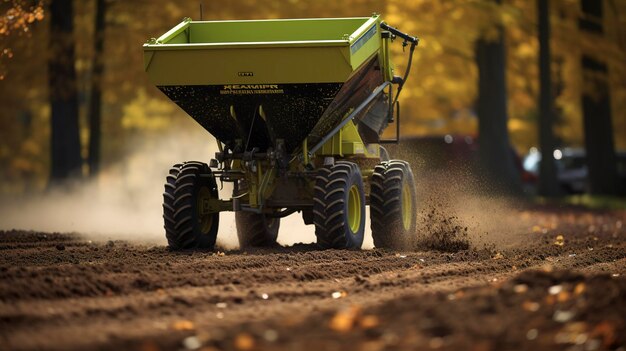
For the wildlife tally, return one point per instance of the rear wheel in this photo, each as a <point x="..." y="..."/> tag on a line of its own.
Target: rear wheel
<point x="256" y="230"/>
<point x="393" y="204"/>
<point x="319" y="203"/>
<point x="339" y="207"/>
<point x="188" y="190"/>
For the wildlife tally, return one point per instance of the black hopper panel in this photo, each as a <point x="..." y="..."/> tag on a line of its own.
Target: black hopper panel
<point x="263" y="112"/>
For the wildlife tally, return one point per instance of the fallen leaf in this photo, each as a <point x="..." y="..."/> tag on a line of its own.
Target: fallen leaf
<point x="520" y="288"/>
<point x="530" y="306"/>
<point x="192" y="343"/>
<point x="244" y="341"/>
<point x="183" y="325"/>
<point x="344" y="320"/>
<point x="562" y="296"/>
<point x="559" y="241"/>
<point x="369" y="322"/>
<point x="579" y="289"/>
<point x="498" y="256"/>
<point x="555" y="289"/>
<point x="563" y="316"/>
<point x="339" y="294"/>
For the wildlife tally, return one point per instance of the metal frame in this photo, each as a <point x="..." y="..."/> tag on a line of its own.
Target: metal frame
<point x="349" y="118"/>
<point x="396" y="139"/>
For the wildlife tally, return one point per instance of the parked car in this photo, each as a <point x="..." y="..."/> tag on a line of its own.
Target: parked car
<point x="571" y="166"/>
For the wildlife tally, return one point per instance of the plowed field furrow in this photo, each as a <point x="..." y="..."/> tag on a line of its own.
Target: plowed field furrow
<point x="66" y="292"/>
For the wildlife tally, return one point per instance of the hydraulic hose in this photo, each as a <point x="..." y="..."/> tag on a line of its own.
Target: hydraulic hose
<point x="407" y="38"/>
<point x="406" y="73"/>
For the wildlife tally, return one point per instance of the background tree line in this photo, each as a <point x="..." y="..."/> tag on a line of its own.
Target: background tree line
<point x="527" y="73"/>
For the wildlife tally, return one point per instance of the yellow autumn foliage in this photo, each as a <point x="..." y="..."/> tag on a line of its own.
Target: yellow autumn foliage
<point x="438" y="98"/>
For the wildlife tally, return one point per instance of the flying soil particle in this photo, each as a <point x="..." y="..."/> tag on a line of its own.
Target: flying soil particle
<point x="440" y="231"/>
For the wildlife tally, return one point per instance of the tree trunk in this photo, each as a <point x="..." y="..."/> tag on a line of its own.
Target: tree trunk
<point x="597" y="123"/>
<point x="548" y="184"/>
<point x="596" y="103"/>
<point x="65" y="155"/>
<point x="95" y="104"/>
<point x="495" y="152"/>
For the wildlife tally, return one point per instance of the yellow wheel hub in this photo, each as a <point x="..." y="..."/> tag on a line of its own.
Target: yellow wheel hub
<point x="354" y="209"/>
<point x="407" y="205"/>
<point x="205" y="218"/>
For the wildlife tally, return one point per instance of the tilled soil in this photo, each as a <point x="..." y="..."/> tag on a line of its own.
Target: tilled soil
<point x="560" y="285"/>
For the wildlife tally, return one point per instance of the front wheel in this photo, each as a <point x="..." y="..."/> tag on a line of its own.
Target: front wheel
<point x="339" y="207"/>
<point x="189" y="188"/>
<point x="393" y="204"/>
<point x="256" y="230"/>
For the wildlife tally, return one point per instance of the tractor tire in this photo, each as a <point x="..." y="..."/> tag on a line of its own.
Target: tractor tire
<point x="393" y="205"/>
<point x="168" y="204"/>
<point x="256" y="230"/>
<point x="339" y="207"/>
<point x="319" y="204"/>
<point x="187" y="187"/>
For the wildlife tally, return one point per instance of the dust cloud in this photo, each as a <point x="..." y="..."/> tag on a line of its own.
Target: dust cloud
<point x="124" y="201"/>
<point x="456" y="213"/>
<point x="453" y="220"/>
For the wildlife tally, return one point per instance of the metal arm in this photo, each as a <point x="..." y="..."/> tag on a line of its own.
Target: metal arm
<point x="396" y="32"/>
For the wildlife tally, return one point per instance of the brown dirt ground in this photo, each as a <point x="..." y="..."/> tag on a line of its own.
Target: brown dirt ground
<point x="60" y="291"/>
